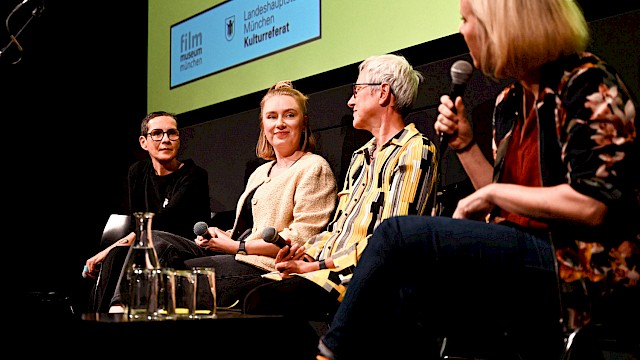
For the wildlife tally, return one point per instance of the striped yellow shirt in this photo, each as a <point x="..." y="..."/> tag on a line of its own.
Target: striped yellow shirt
<point x="399" y="181"/>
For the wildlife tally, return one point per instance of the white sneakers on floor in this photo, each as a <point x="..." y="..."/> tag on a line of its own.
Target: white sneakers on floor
<point x="116" y="309"/>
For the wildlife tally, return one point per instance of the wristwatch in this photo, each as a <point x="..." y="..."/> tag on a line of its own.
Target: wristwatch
<point x="241" y="249"/>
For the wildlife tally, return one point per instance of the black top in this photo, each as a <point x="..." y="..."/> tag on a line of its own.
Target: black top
<point x="178" y="200"/>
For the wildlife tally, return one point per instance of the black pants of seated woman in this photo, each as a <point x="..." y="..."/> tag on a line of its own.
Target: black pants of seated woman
<point x="243" y="283"/>
<point x="106" y="284"/>
<point x="234" y="279"/>
<point x="296" y="297"/>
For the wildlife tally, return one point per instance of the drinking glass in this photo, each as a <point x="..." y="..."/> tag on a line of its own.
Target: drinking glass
<point x="205" y="292"/>
<point x="166" y="309"/>
<point x="185" y="290"/>
<point x="143" y="294"/>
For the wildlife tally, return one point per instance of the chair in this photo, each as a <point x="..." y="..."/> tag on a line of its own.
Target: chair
<point x="117" y="227"/>
<point x="601" y="297"/>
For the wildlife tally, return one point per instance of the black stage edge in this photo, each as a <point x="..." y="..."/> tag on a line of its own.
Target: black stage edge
<point x="230" y="336"/>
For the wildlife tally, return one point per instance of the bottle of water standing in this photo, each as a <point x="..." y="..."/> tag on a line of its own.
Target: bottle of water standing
<point x="142" y="270"/>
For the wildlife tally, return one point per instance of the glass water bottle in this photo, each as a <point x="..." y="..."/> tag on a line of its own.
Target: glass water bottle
<point x="142" y="271"/>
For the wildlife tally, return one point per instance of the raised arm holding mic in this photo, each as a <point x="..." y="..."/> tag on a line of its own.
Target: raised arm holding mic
<point x="461" y="72"/>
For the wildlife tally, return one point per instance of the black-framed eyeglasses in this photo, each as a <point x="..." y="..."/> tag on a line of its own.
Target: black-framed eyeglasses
<point x="361" y="85"/>
<point x="158" y="134"/>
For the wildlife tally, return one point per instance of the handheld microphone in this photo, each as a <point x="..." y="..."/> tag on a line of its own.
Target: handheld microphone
<point x="270" y="235"/>
<point x="201" y="228"/>
<point x="460" y="74"/>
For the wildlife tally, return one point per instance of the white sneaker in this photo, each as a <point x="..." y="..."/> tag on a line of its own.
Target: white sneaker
<point x="116" y="309"/>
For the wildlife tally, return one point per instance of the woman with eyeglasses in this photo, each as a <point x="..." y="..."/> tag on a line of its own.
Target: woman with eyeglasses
<point x="176" y="191"/>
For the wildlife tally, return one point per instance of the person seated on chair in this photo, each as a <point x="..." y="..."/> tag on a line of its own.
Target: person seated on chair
<point x="392" y="174"/>
<point x="564" y="157"/>
<point x="176" y="191"/>
<point x="294" y="192"/>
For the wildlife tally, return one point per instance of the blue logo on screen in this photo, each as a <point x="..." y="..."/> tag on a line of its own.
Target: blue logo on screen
<point x="230" y="27"/>
<point x="262" y="28"/>
<point x="190" y="47"/>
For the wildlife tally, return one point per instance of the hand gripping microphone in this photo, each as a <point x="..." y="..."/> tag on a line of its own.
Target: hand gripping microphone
<point x="460" y="74"/>
<point x="270" y="235"/>
<point x="201" y="228"/>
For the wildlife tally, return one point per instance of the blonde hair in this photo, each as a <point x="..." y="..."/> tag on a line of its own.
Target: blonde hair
<point x="516" y="36"/>
<point x="264" y="149"/>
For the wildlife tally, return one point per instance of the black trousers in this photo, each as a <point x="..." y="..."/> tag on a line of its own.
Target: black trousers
<point x="296" y="297"/>
<point x="234" y="279"/>
<point x="105" y="286"/>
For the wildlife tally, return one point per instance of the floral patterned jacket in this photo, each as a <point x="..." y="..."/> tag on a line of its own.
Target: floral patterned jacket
<point x="587" y="130"/>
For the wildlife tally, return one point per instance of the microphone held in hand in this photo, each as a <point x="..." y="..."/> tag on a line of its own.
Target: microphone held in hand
<point x="202" y="229"/>
<point x="460" y="74"/>
<point x="270" y="235"/>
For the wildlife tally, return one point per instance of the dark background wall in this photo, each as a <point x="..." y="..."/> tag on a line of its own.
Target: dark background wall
<point x="73" y="98"/>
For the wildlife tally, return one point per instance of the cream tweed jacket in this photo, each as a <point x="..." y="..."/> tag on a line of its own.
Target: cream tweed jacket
<point x="298" y="203"/>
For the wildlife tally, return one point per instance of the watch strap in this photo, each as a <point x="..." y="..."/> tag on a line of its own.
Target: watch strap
<point x="241" y="248"/>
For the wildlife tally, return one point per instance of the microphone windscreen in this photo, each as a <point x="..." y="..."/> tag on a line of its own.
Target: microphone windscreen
<point x="269" y="234"/>
<point x="200" y="228"/>
<point x="461" y="71"/>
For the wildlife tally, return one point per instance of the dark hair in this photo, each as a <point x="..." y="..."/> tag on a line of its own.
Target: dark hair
<point x="145" y="122"/>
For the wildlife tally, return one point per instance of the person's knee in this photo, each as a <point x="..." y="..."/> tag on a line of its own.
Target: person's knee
<point x="405" y="225"/>
<point x="395" y="230"/>
<point x="388" y="229"/>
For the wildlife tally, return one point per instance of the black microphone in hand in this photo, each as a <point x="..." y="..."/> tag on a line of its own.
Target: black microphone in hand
<point x="270" y="235"/>
<point x="460" y="74"/>
<point x="202" y="229"/>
